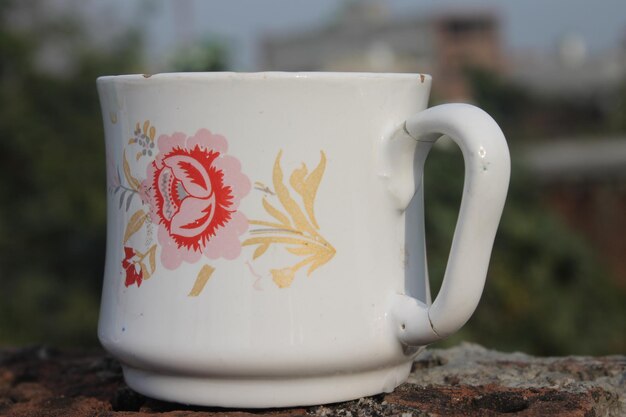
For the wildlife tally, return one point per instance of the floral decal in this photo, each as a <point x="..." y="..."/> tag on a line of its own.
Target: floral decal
<point x="191" y="194"/>
<point x="131" y="267"/>
<point x="188" y="207"/>
<point x="194" y="192"/>
<point x="135" y="265"/>
<point x="293" y="227"/>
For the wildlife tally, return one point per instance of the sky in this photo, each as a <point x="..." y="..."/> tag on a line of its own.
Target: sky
<point x="527" y="25"/>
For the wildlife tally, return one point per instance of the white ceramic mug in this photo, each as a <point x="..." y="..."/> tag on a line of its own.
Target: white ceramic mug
<point x="265" y="241"/>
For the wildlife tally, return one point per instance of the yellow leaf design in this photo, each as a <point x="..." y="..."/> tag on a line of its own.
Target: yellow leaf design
<point x="275" y="213"/>
<point x="296" y="230"/>
<point x="274" y="239"/>
<point x="307" y="186"/>
<point x="146" y="124"/>
<point x="260" y="250"/>
<point x="152" y="258"/>
<point x="303" y="250"/>
<point x="320" y="260"/>
<point x="298" y="178"/>
<point x="275" y="226"/>
<point x="298" y="217"/>
<point x="134" y="224"/>
<point x="283" y="277"/>
<point x="132" y="181"/>
<point x="312" y="184"/>
<point x="201" y="280"/>
<point x="152" y="132"/>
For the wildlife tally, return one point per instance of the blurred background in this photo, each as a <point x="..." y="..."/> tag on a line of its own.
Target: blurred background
<point x="552" y="74"/>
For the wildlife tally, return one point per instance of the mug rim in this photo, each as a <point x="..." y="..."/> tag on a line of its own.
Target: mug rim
<point x="268" y="75"/>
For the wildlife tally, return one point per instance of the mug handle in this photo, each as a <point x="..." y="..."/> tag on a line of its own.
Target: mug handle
<point x="487" y="171"/>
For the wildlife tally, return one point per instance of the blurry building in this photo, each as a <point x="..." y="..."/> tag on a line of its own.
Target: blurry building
<point x="583" y="178"/>
<point x="364" y="37"/>
<point x="569" y="69"/>
<point x="584" y="181"/>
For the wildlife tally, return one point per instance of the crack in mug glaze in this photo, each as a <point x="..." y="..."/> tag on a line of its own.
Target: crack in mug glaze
<point x="265" y="234"/>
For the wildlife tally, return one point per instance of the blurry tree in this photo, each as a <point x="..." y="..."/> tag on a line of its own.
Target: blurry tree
<point x="507" y="103"/>
<point x="210" y="55"/>
<point x="52" y="181"/>
<point x="524" y="114"/>
<point x="546" y="292"/>
<point x="618" y="116"/>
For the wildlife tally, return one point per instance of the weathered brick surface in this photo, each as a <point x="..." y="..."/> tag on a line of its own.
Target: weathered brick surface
<point x="464" y="381"/>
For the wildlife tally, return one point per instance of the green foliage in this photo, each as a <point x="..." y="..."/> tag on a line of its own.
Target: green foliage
<point x="52" y="173"/>
<point x="204" y="56"/>
<point x="52" y="187"/>
<point x="507" y="103"/>
<point x="524" y="114"/>
<point x="546" y="292"/>
<point x="618" y="116"/>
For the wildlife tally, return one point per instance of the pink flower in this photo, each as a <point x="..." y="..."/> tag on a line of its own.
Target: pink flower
<point x="194" y="190"/>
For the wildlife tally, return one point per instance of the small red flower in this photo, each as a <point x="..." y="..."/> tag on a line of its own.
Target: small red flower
<point x="133" y="270"/>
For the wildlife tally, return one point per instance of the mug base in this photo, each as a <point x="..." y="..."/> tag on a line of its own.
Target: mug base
<point x="254" y="392"/>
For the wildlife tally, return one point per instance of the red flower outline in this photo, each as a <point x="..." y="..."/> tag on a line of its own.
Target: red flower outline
<point x="194" y="189"/>
<point x="180" y="183"/>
